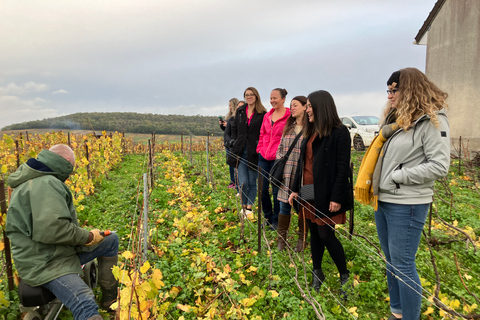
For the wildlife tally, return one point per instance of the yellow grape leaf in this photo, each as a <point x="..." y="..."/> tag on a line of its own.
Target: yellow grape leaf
<point x="353" y="311"/>
<point x="157" y="278"/>
<point x="145" y="267"/>
<point x="2" y="245"/>
<point x="247" y="302"/>
<point x="429" y="311"/>
<point x="181" y="318"/>
<point x="274" y="293"/>
<point x="146" y="287"/>
<point x="175" y="291"/>
<point x="184" y="307"/>
<point x="128" y="255"/>
<point x="252" y="269"/>
<point x="468" y="277"/>
<point x="455" y="223"/>
<point x="116" y="272"/>
<point x="4" y="169"/>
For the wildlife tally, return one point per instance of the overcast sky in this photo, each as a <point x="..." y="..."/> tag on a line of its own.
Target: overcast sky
<point x="190" y="57"/>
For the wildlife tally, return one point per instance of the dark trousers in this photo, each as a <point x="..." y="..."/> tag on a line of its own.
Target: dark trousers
<point x="270" y="214"/>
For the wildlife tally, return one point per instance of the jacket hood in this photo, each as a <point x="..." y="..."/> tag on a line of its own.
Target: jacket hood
<point x="59" y="167"/>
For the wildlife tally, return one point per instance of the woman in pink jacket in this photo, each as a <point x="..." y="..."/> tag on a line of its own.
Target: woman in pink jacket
<point x="270" y="136"/>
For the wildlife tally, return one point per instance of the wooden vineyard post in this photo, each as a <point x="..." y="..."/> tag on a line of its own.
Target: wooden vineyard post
<point x="87" y="156"/>
<point x="460" y="157"/>
<point x="191" y="157"/>
<point x="123" y="142"/>
<point x="352" y="211"/>
<point x="150" y="162"/>
<point x="6" y="241"/>
<point x="181" y="142"/>
<point x="145" y="217"/>
<point x="68" y="140"/>
<point x="26" y="135"/>
<point x="259" y="213"/>
<point x="17" y="151"/>
<point x="206" y="148"/>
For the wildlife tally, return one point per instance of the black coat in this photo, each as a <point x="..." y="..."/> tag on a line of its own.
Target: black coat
<point x="227" y="135"/>
<point x="331" y="170"/>
<point x="245" y="135"/>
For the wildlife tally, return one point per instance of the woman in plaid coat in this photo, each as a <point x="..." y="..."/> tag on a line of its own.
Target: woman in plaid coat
<point x="293" y="127"/>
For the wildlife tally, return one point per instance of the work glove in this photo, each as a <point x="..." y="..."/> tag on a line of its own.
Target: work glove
<point x="97" y="238"/>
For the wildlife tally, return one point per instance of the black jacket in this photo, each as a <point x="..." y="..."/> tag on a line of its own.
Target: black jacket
<point x="227" y="135"/>
<point x="245" y="135"/>
<point x="331" y="170"/>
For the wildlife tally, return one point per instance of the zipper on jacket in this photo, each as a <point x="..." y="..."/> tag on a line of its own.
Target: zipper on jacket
<point x="398" y="168"/>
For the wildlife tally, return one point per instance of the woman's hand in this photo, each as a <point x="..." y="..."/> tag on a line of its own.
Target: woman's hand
<point x="334" y="207"/>
<point x="292" y="196"/>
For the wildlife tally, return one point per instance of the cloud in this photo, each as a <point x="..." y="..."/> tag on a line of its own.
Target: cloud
<point x="61" y="91"/>
<point x="16" y="109"/>
<point x="29" y="87"/>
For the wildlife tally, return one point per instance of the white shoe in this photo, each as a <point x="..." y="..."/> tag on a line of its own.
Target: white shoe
<point x="248" y="214"/>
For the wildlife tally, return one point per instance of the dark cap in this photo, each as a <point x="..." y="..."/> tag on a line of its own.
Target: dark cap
<point x="394" y="80"/>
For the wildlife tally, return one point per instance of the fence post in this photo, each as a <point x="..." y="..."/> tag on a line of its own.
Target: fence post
<point x="191" y="156"/>
<point x="208" y="169"/>
<point x="150" y="162"/>
<point x="352" y="211"/>
<point x="460" y="158"/>
<point x="145" y="215"/>
<point x="87" y="156"/>
<point x="259" y="213"/>
<point x="181" y="143"/>
<point x="17" y="149"/>
<point x="69" y="143"/>
<point x="6" y="241"/>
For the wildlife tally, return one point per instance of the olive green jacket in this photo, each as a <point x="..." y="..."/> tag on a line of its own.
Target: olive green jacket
<point x="41" y="221"/>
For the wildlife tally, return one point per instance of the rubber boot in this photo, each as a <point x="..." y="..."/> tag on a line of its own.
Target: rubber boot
<point x="302" y="233"/>
<point x="343" y="280"/>
<point x="283" y="225"/>
<point x="318" y="278"/>
<point x="107" y="281"/>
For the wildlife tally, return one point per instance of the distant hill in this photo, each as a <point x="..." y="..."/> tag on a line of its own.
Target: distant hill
<point x="127" y="122"/>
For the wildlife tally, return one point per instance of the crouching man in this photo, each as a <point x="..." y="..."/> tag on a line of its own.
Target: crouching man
<point x="48" y="245"/>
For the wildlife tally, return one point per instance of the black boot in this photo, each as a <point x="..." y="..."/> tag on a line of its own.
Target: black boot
<point x="107" y="281"/>
<point x="318" y="278"/>
<point x="343" y="280"/>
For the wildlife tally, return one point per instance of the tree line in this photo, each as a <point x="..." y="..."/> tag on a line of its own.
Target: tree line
<point x="126" y="122"/>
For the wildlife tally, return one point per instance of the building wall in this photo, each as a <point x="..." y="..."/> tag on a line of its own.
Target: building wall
<point x="453" y="63"/>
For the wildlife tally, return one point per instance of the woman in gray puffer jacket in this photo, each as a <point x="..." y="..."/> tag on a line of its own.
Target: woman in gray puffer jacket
<point x="413" y="157"/>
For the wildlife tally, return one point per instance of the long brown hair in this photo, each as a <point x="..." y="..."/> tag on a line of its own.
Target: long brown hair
<point x="325" y="116"/>
<point x="291" y="120"/>
<point x="259" y="108"/>
<point x="417" y="96"/>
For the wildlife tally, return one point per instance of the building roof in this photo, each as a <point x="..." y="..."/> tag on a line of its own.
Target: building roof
<point x="426" y="25"/>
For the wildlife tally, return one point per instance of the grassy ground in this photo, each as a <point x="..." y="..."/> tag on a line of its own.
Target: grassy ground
<point x="196" y="241"/>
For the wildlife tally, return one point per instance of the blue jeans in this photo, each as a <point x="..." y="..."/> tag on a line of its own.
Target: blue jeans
<point x="285" y="208"/>
<point x="399" y="229"/>
<point x="247" y="178"/>
<point x="270" y="214"/>
<point x="72" y="291"/>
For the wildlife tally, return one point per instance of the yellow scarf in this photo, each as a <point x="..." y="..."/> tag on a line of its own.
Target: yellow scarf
<point x="364" y="185"/>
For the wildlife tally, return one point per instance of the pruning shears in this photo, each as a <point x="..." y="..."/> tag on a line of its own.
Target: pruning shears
<point x="107" y="233"/>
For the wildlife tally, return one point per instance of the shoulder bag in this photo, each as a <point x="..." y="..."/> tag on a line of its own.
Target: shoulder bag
<point x="276" y="173"/>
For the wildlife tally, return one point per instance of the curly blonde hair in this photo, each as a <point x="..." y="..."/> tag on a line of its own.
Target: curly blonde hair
<point x="417" y="96"/>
